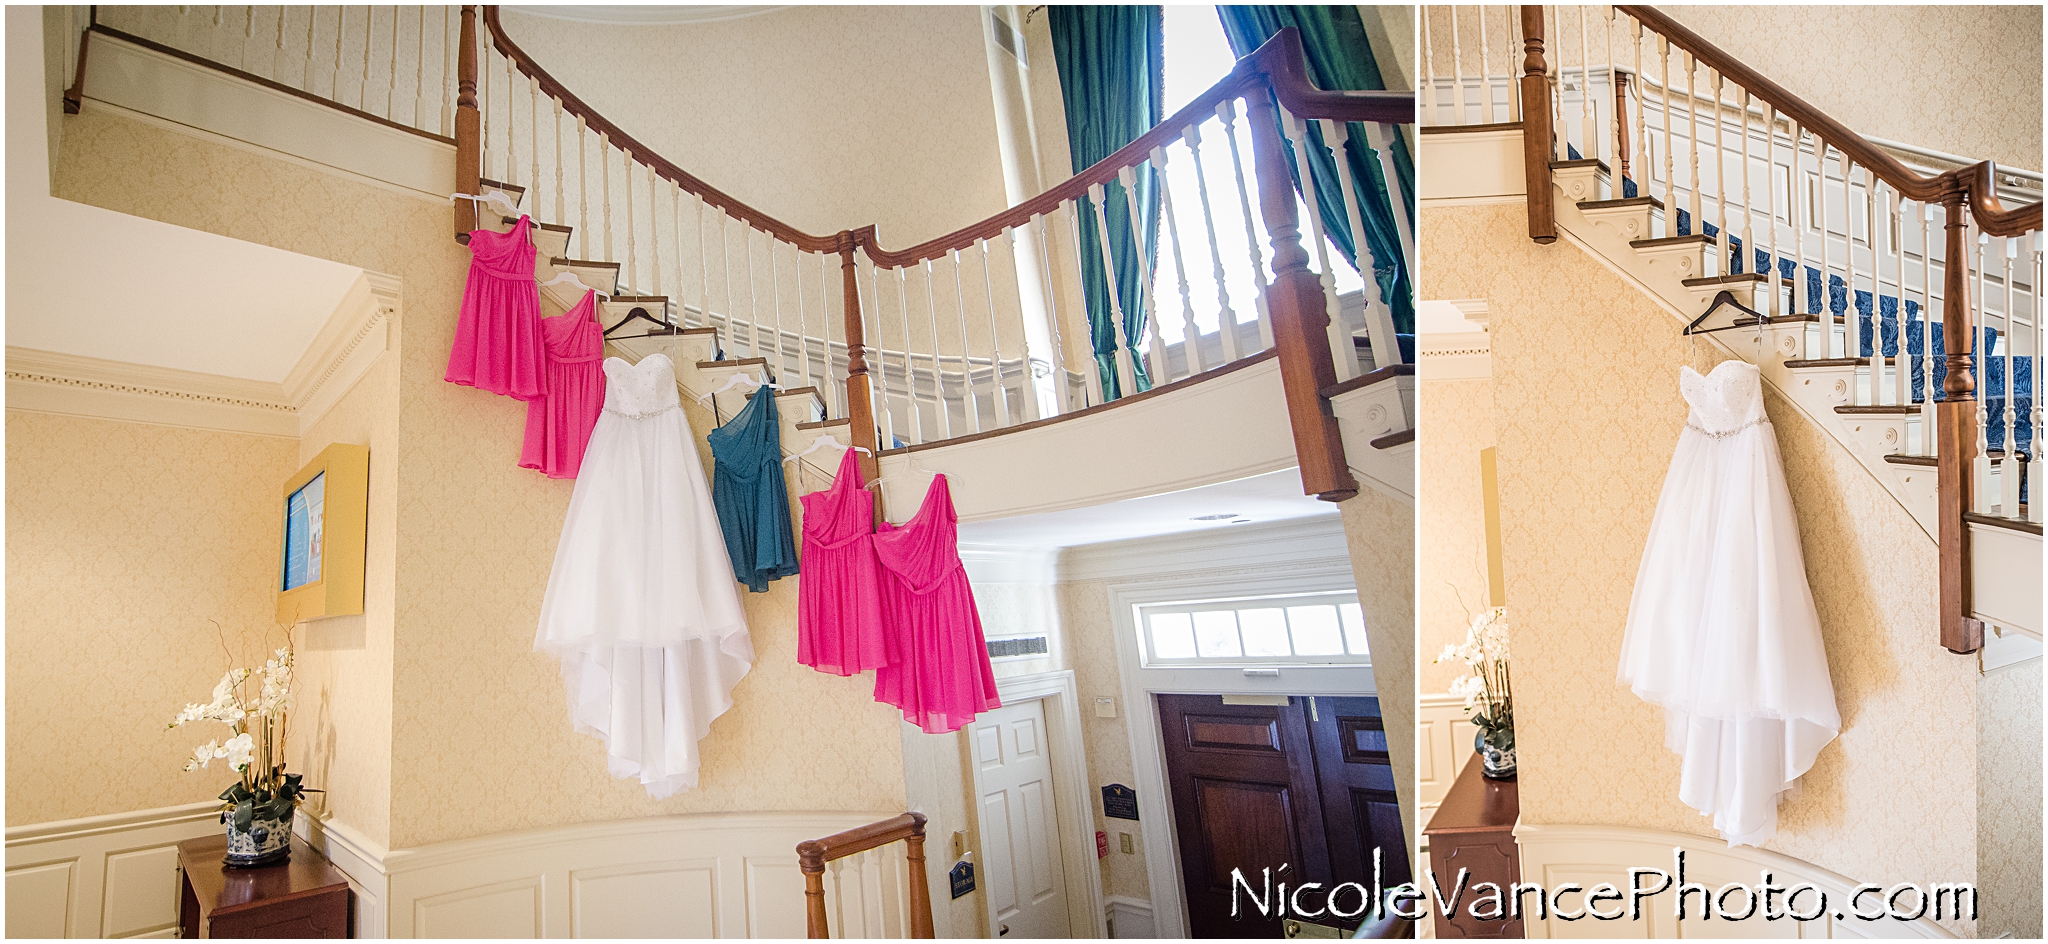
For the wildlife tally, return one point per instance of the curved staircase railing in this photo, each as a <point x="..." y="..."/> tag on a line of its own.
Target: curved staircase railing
<point x="1757" y="194"/>
<point x="977" y="332"/>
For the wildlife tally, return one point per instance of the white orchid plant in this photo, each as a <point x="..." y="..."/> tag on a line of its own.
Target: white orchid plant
<point x="1488" y="691"/>
<point x="255" y="747"/>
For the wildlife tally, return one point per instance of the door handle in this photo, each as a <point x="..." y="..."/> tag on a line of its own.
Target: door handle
<point x="1005" y="930"/>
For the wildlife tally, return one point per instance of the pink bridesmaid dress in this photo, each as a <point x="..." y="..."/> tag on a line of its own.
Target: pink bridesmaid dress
<point x="558" y="422"/>
<point x="498" y="344"/>
<point x="839" y="625"/>
<point x="944" y="678"/>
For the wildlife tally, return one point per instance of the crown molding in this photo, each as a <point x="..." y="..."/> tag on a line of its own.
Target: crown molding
<point x="1457" y="355"/>
<point x="1293" y="541"/>
<point x="348" y="345"/>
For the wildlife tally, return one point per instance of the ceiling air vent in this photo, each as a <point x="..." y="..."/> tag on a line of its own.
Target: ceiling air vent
<point x="1017" y="647"/>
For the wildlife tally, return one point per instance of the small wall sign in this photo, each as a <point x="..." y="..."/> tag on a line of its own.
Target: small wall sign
<point x="1119" y="802"/>
<point x="961" y="877"/>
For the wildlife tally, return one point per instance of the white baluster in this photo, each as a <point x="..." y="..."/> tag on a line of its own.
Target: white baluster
<point x="1802" y="292"/>
<point x="1429" y="94"/>
<point x="909" y="365"/>
<point x="1670" y="177"/>
<point x="1771" y="208"/>
<point x="931" y="303"/>
<point x="1092" y="388"/>
<point x="1902" y="381"/>
<point x="1555" y="77"/>
<point x="1380" y="136"/>
<point x="1343" y="351"/>
<point x="249" y="33"/>
<point x="2009" y="479"/>
<point x="1616" y="119"/>
<point x="1983" y="493"/>
<point x="511" y="127"/>
<point x="1227" y="110"/>
<point x="334" y="81"/>
<point x="1874" y="332"/>
<point x="447" y="68"/>
<point x="837" y="386"/>
<point x="1513" y="32"/>
<point x="703" y="281"/>
<point x="1457" y="71"/>
<point x="1128" y="176"/>
<point x="1642" y="158"/>
<point x="2040" y="336"/>
<point x="561" y="194"/>
<point x="1061" y="381"/>
<point x="753" y="292"/>
<point x="653" y="231"/>
<point x="582" y="192"/>
<point x="972" y="399"/>
<point x="1126" y="373"/>
<point x="1927" y="388"/>
<point x="1591" y="141"/>
<point x="1718" y="151"/>
<point x="632" y="268"/>
<point x="419" y="65"/>
<point x="363" y="85"/>
<point x="604" y="165"/>
<point x="306" y="77"/>
<point x="675" y="225"/>
<point x="775" y="300"/>
<point x="1692" y="142"/>
<point x="277" y="52"/>
<point x="1826" y="302"/>
<point x="533" y="140"/>
<point x="1485" y="72"/>
<point x="995" y="341"/>
<point x="1748" y="240"/>
<point x="725" y="266"/>
<point x="803" y="318"/>
<point x="1191" y="343"/>
<point x="1379" y="313"/>
<point x="390" y="91"/>
<point x="1226" y="320"/>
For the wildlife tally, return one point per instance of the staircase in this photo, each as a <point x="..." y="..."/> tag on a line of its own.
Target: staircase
<point x="1664" y="157"/>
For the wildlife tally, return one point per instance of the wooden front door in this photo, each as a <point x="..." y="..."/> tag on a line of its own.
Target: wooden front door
<point x="1257" y="787"/>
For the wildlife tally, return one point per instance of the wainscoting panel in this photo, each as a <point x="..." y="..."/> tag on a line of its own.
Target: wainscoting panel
<point x="1443" y="743"/>
<point x="705" y="875"/>
<point x="103" y="876"/>
<point x="1590" y="855"/>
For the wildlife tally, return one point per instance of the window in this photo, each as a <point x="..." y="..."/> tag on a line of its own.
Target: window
<point x="1304" y="629"/>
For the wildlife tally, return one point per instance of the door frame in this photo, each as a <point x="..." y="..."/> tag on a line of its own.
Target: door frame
<point x="1075" y="820"/>
<point x="1148" y="750"/>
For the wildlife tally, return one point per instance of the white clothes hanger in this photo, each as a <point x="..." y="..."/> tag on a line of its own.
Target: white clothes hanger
<point x="495" y="197"/>
<point x="568" y="277"/>
<point x="735" y="381"/>
<point x="823" y="441"/>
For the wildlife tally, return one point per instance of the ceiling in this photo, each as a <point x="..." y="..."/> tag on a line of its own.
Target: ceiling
<point x="639" y="15"/>
<point x="1273" y="496"/>
<point x="91" y="282"/>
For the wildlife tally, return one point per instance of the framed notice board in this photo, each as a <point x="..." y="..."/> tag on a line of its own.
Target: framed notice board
<point x="326" y="523"/>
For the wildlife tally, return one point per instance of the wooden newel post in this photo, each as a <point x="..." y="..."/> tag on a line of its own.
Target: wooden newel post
<point x="810" y="857"/>
<point x="920" y="888"/>
<point x="1299" y="313"/>
<point x="860" y="407"/>
<point x="468" y="130"/>
<point x="1536" y="130"/>
<point x="1956" y="446"/>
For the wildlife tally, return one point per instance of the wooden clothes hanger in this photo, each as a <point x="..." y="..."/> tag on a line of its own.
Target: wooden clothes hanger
<point x="637" y="314"/>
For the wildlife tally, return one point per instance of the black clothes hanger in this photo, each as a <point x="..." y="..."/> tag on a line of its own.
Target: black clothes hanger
<point x="1725" y="299"/>
<point x="640" y="314"/>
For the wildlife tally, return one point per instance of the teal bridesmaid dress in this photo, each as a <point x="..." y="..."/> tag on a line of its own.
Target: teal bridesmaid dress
<point x="748" y="489"/>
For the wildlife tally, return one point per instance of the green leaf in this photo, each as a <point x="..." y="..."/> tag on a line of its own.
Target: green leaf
<point x="245" y="814"/>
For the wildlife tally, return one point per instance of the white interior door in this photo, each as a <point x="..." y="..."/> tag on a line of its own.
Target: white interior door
<point x="1021" y="869"/>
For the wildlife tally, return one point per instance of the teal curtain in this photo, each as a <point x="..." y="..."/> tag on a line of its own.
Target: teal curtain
<point x="1112" y="81"/>
<point x="1333" y="37"/>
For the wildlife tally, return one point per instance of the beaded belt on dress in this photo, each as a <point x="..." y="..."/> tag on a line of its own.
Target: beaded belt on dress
<point x="641" y="416"/>
<point x="1724" y="434"/>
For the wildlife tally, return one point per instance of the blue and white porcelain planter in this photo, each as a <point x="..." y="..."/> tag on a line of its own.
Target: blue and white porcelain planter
<point x="1497" y="759"/>
<point x="265" y="842"/>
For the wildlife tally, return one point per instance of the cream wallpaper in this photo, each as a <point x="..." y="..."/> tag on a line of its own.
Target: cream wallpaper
<point x="1977" y="93"/>
<point x="2009" y="802"/>
<point x="124" y="540"/>
<point x="342" y="735"/>
<point x="1457" y="418"/>
<point x="480" y="741"/>
<point x="1581" y="464"/>
<point x="1379" y="532"/>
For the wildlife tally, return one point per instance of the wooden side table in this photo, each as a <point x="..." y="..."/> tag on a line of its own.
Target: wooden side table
<point x="1474" y="830"/>
<point x="304" y="897"/>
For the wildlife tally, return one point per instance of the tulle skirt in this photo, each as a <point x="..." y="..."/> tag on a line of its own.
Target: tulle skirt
<point x="1723" y="635"/>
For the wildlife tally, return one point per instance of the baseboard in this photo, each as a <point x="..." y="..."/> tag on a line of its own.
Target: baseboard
<point x="1129" y="918"/>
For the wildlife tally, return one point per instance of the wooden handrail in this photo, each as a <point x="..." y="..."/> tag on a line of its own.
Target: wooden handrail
<point x="74" y="97"/>
<point x="812" y="854"/>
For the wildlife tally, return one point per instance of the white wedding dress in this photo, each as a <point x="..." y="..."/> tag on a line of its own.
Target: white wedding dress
<point x="641" y="606"/>
<point x="1722" y="631"/>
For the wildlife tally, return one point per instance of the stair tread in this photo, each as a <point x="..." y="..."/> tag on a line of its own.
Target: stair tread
<point x="1651" y="202"/>
<point x="550" y="227"/>
<point x="1698" y="238"/>
<point x="1824" y="362"/>
<point x="1470" y="129"/>
<point x="1580" y="162"/>
<point x="500" y="185"/>
<point x="560" y="262"/>
<point x="793" y="391"/>
<point x="822" y="424"/>
<point x="741" y="362"/>
<point x="2029" y="527"/>
<point x="1730" y="279"/>
<point x="1391" y="440"/>
<point x="1995" y="455"/>
<point x="1886" y="409"/>
<point x="1366" y="380"/>
<point x="639" y="298"/>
